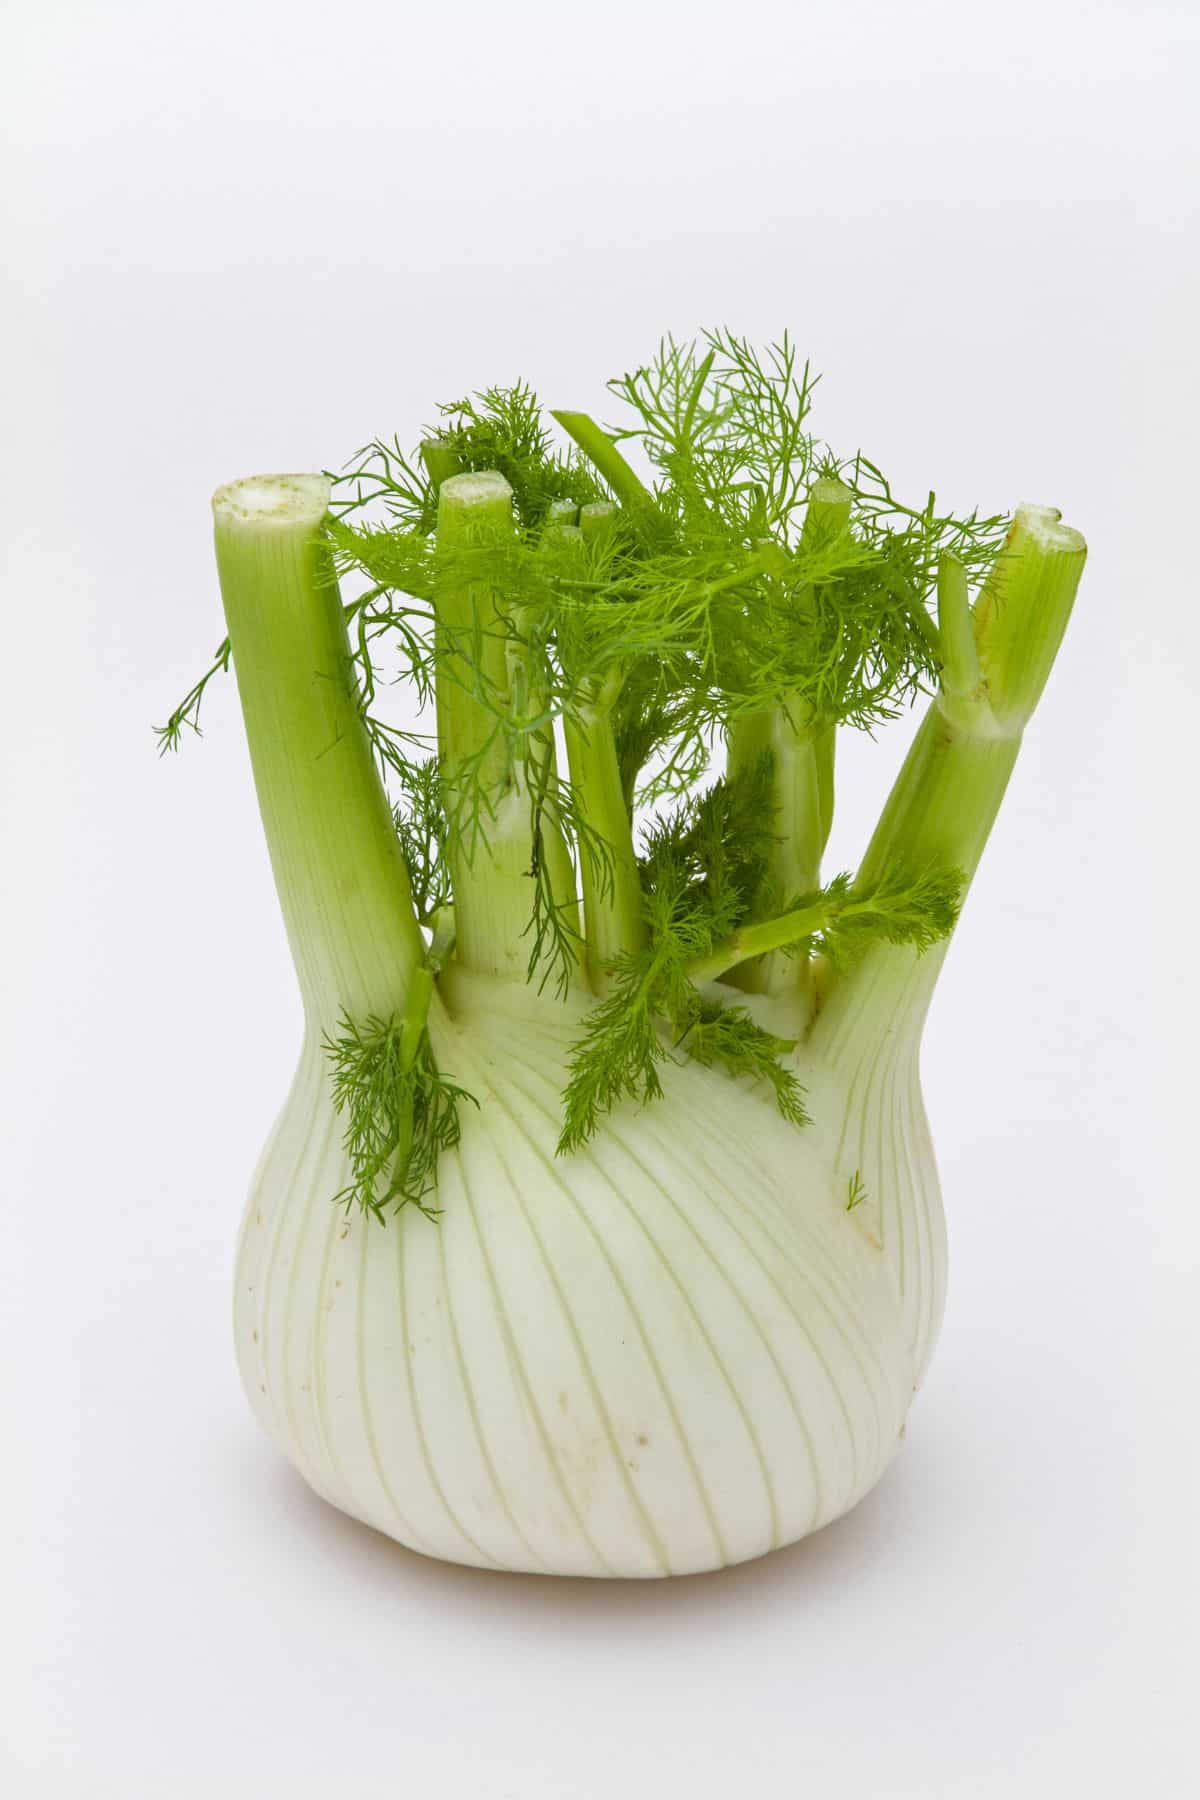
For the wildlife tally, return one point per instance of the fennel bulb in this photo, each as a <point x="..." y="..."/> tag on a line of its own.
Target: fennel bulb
<point x="640" y="1253"/>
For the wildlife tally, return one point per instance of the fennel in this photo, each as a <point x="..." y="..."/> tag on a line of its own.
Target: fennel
<point x="575" y="984"/>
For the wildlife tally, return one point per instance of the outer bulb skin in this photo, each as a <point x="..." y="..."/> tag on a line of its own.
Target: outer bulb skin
<point x="671" y="1352"/>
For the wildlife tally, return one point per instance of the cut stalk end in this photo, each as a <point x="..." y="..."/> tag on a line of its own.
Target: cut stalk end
<point x="272" y="502"/>
<point x="597" y="518"/>
<point x="486" y="488"/>
<point x="440" y="459"/>
<point x="828" y="511"/>
<point x="1022" y="613"/>
<point x="1044" y="525"/>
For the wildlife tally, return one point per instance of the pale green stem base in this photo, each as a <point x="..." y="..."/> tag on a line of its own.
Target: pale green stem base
<point x="802" y="755"/>
<point x="490" y="844"/>
<point x="612" y="898"/>
<point x="940" y="814"/>
<point x="802" y="762"/>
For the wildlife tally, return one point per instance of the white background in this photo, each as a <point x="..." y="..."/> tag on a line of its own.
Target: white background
<point x="249" y="236"/>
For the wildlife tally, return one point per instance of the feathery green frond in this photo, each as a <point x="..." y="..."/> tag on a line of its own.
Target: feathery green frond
<point x="906" y="907"/>
<point x="401" y="1113"/>
<point x="382" y="474"/>
<point x="841" y="921"/>
<point x="186" y="716"/>
<point x="420" y="820"/>
<point x="700" y="869"/>
<point x="503" y="429"/>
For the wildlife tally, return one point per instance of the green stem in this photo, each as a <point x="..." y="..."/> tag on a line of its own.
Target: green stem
<point x="559" y="530"/>
<point x="441" y="945"/>
<point x="555" y="851"/>
<point x="538" y="781"/>
<point x="961" y="674"/>
<point x="343" y="887"/>
<point x="802" y="753"/>
<point x="441" y="461"/>
<point x="824" y="746"/>
<point x="826" y="519"/>
<point x="942" y="808"/>
<point x="945" y="801"/>
<point x="487" y="807"/>
<point x="797" y="791"/>
<point x="416" y="1015"/>
<point x="1023" y="611"/>
<point x="768" y="935"/>
<point x="412" y="1030"/>
<point x="597" y="519"/>
<point x="766" y="562"/>
<point x="612" y="895"/>
<point x="607" y="460"/>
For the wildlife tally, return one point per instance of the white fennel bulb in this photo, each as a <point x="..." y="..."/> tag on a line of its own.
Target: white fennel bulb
<point x="674" y="1351"/>
<point x="600" y="1233"/>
